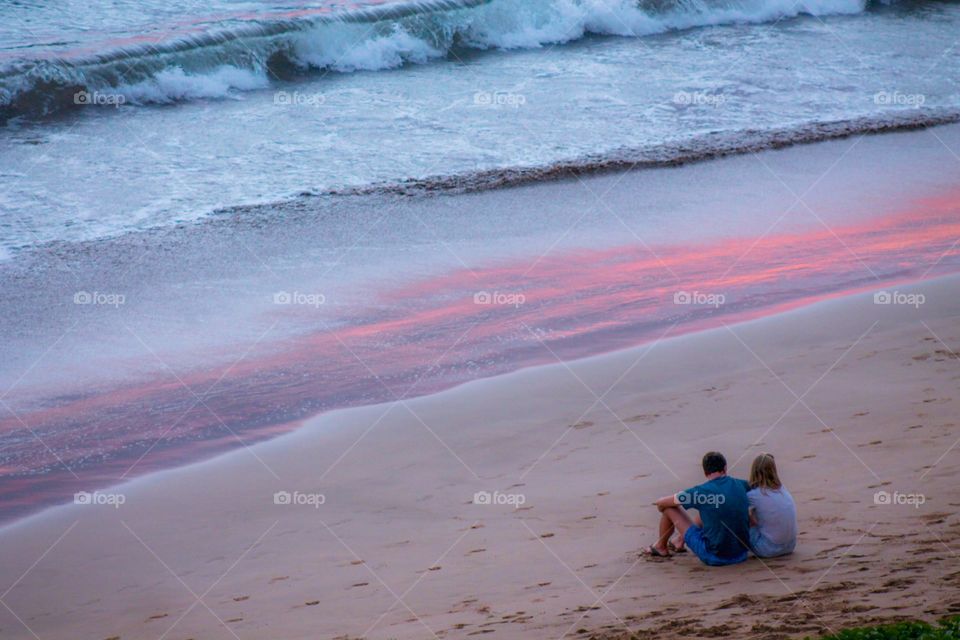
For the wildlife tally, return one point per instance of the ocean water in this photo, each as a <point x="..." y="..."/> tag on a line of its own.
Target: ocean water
<point x="127" y="115"/>
<point x="217" y="223"/>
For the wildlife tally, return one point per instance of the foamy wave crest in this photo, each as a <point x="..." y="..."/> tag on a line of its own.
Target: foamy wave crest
<point x="174" y="84"/>
<point x="237" y="58"/>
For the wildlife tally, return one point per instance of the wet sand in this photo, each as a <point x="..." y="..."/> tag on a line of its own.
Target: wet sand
<point x="413" y="337"/>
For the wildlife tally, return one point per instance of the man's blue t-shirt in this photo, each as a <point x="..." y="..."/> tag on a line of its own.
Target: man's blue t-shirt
<point x="725" y="512"/>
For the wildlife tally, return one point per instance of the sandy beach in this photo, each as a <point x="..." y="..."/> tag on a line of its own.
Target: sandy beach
<point x="379" y="528"/>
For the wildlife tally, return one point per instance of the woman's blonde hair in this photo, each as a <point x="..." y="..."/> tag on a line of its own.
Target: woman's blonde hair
<point x="763" y="473"/>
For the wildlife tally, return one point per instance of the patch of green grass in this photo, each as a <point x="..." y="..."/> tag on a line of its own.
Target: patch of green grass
<point x="947" y="629"/>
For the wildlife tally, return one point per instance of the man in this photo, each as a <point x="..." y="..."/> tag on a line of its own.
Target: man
<point x="719" y="536"/>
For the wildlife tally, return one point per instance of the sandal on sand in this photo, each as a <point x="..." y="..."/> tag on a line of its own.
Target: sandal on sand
<point x="653" y="552"/>
<point x="675" y="548"/>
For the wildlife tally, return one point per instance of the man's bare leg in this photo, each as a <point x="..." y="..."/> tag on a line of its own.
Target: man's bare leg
<point x="672" y="519"/>
<point x="678" y="543"/>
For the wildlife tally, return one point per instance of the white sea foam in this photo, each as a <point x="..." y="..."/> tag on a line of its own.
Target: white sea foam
<point x="346" y="48"/>
<point x="175" y="84"/>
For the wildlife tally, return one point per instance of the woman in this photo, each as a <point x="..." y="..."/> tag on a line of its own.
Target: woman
<point x="773" y="513"/>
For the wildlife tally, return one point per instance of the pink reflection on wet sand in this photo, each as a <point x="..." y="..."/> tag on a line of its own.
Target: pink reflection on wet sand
<point x="434" y="333"/>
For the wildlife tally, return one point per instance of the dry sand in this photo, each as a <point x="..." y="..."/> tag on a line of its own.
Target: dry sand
<point x="852" y="397"/>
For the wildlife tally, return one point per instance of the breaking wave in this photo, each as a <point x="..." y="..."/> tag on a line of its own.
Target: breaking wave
<point x="229" y="57"/>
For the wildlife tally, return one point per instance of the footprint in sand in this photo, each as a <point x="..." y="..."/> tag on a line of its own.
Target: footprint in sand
<point x="935" y="518"/>
<point x="359" y="584"/>
<point x="279" y="578"/>
<point x="235" y="620"/>
<point x="241" y="598"/>
<point x="582" y="425"/>
<point x="157" y="616"/>
<point x="584" y="608"/>
<point x="312" y="603"/>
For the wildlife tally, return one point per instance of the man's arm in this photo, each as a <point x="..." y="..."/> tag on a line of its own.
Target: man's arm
<point x="667" y="501"/>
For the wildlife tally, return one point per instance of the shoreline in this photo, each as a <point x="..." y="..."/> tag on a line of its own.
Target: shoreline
<point x="696" y="149"/>
<point x="397" y="499"/>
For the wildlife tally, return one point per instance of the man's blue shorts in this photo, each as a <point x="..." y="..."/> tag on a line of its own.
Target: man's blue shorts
<point x="694" y="541"/>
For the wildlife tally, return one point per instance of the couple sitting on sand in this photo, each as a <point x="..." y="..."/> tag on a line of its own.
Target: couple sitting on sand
<point x="734" y="516"/>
